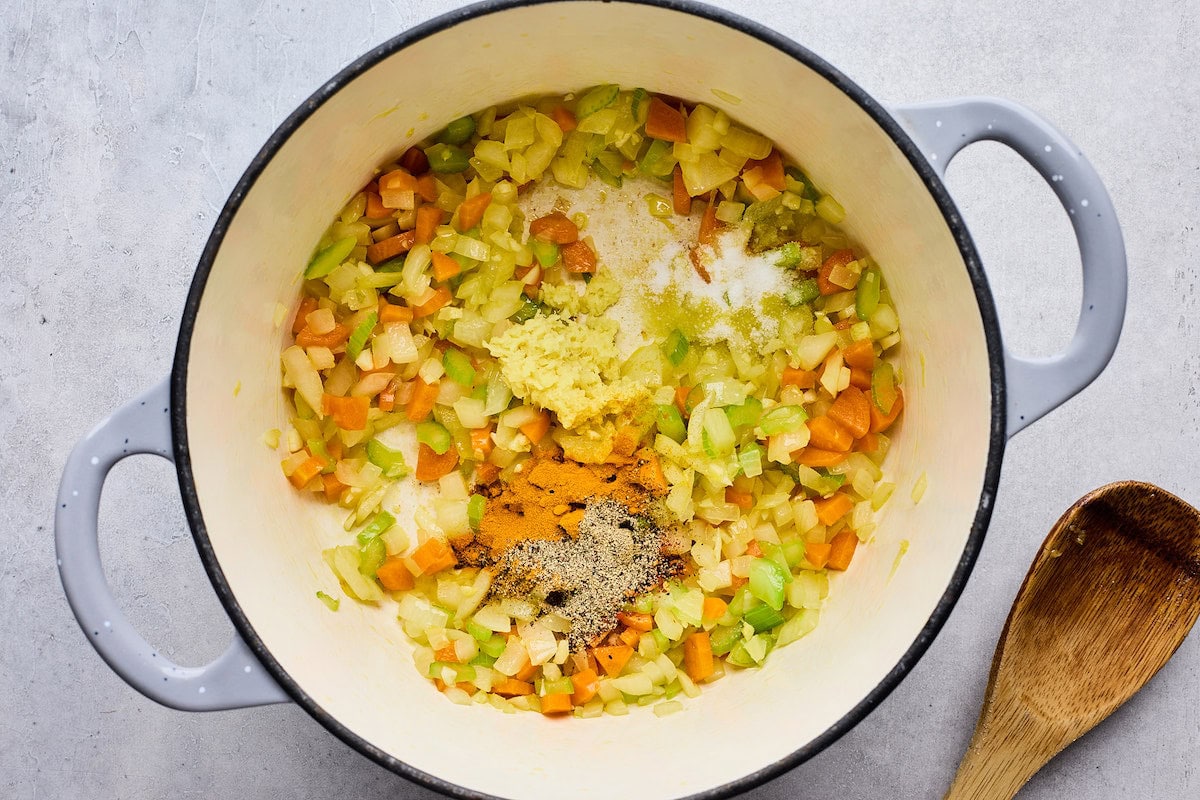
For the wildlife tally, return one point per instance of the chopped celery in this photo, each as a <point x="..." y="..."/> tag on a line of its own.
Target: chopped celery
<point x="459" y="131"/>
<point x="676" y="346"/>
<point x="883" y="387"/>
<point x="658" y="160"/>
<point x="722" y="639"/>
<point x="739" y="657"/>
<point x="475" y="509"/>
<point x="763" y="618"/>
<point x="866" y="298"/>
<point x="447" y="158"/>
<point x="607" y="167"/>
<point x="559" y="686"/>
<point x="436" y="437"/>
<point x="331" y="603"/>
<point x="670" y="422"/>
<point x="747" y="414"/>
<point x="793" y="552"/>
<point x="392" y="264"/>
<point x="459" y="673"/>
<point x="528" y="310"/>
<point x="768" y="582"/>
<point x="644" y="604"/>
<point x="595" y="99"/>
<point x="800" y="625"/>
<point x="783" y="419"/>
<point x="458" y="365"/>
<point x="802" y="293"/>
<point x="478" y="632"/>
<point x="378" y="524"/>
<point x="482" y="659"/>
<point x="318" y="449"/>
<point x="830" y="210"/>
<point x="493" y="646"/>
<point x="742" y="601"/>
<point x="639" y="105"/>
<point x="750" y="459"/>
<point x="371" y="554"/>
<point x="718" y="436"/>
<point x="361" y="333"/>
<point x="329" y="258"/>
<point x="545" y="252"/>
<point x="498" y="394"/>
<point x="389" y="460"/>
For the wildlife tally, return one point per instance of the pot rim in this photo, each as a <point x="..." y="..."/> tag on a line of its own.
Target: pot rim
<point x="786" y="46"/>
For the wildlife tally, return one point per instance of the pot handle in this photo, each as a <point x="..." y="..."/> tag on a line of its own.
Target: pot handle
<point x="235" y="679"/>
<point x="1038" y="385"/>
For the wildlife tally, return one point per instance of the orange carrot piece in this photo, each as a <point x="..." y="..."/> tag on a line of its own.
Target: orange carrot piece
<point x="828" y="434"/>
<point x="852" y="410"/>
<point x="446" y="653"/>
<point x="636" y="620"/>
<point x="681" y="395"/>
<point x="816" y="457"/>
<point x="629" y="637"/>
<point x="612" y="659"/>
<point x="800" y="378"/>
<point x="556" y="704"/>
<point x="375" y="208"/>
<point x="771" y="170"/>
<point x="349" y="413"/>
<point x="306" y="307"/>
<point x="538" y="427"/>
<point x="860" y="354"/>
<point x="395" y="577"/>
<point x="390" y="312"/>
<point x="860" y="377"/>
<point x="470" y="211"/>
<point x="481" y="442"/>
<point x="831" y="510"/>
<point x="650" y="475"/>
<point x="391" y="247"/>
<point x="743" y="500"/>
<point x="664" y="122"/>
<point x="431" y="466"/>
<point x="578" y="257"/>
<point x="753" y="549"/>
<point x="306" y="472"/>
<point x="714" y="608"/>
<point x="434" y="556"/>
<point x="840" y="258"/>
<point x="587" y="684"/>
<point x="868" y="443"/>
<point x="486" y="473"/>
<point x="423" y="397"/>
<point x="817" y="553"/>
<point x="554" y="227"/>
<point x="428" y="218"/>
<point x="332" y="487"/>
<point x="415" y="161"/>
<point x="681" y="200"/>
<point x="880" y="422"/>
<point x="526" y="672"/>
<point x="440" y="299"/>
<point x="511" y="687"/>
<point x="698" y="656"/>
<point x="427" y="188"/>
<point x="843" y="546"/>
<point x="397" y="180"/>
<point x="708" y="223"/>
<point x="337" y="336"/>
<point x="565" y="119"/>
<point x="444" y="267"/>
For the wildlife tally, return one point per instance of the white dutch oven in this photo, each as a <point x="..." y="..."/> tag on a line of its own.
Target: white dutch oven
<point x="260" y="541"/>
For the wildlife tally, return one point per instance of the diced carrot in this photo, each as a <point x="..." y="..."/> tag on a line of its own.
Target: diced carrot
<point x="681" y="396"/>
<point x="440" y="299"/>
<point x="390" y="312"/>
<point x="578" y="257"/>
<point x="481" y="442"/>
<point x="400" y="179"/>
<point x="756" y="184"/>
<point x="650" y="473"/>
<point x="375" y="208"/>
<point x="743" y="500"/>
<point x="860" y="377"/>
<point x="834" y="508"/>
<point x="843" y="546"/>
<point x="423" y="397"/>
<point x="334" y="446"/>
<point x="612" y="659"/>
<point x="387" y="398"/>
<point x="664" y="122"/>
<point x="332" y="487"/>
<point x="349" y="413"/>
<point x="446" y="653"/>
<point x="306" y="472"/>
<point x="526" y="672"/>
<point x="335" y="337"/>
<point x="444" y="267"/>
<point x="427" y="188"/>
<point x="395" y="577"/>
<point x="771" y="170"/>
<point x="629" y="636"/>
<point x="840" y="258"/>
<point x="556" y="704"/>
<point x="486" y="473"/>
<point x="587" y="684"/>
<point x="681" y="200"/>
<point x="753" y="549"/>
<point x="852" y="410"/>
<point x="470" y="211"/>
<point x="868" y="443"/>
<point x="698" y="656"/>
<point x="511" y="687"/>
<point x="860" y="354"/>
<point x="800" y="378"/>
<point x="880" y="422"/>
<point x="627" y="439"/>
<point x="428" y="218"/>
<point x="714" y="608"/>
<point x="537" y="427"/>
<point x="816" y="457"/>
<point x="828" y="434"/>
<point x="391" y="247"/>
<point x="554" y="227"/>
<point x="565" y="119"/>
<point x="817" y="553"/>
<point x="708" y="223"/>
<point x="306" y="307"/>
<point x="433" y="556"/>
<point x="431" y="466"/>
<point x="636" y="620"/>
<point x="415" y="161"/>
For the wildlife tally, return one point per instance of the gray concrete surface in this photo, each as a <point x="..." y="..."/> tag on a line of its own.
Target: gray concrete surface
<point x="123" y="125"/>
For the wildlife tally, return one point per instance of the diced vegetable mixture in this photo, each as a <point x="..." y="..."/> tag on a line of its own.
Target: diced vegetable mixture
<point x="712" y="480"/>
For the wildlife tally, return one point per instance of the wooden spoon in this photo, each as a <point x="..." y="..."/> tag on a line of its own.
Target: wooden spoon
<point x="1108" y="600"/>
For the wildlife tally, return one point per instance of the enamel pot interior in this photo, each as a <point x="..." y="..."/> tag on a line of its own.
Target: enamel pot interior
<point x="261" y="540"/>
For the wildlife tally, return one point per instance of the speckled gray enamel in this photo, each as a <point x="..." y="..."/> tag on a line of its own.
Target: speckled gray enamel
<point x="1038" y="385"/>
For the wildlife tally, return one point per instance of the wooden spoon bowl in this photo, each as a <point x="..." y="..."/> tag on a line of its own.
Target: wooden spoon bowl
<point x="1109" y="598"/>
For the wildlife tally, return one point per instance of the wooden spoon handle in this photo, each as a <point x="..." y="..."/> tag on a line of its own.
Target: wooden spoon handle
<point x="1009" y="746"/>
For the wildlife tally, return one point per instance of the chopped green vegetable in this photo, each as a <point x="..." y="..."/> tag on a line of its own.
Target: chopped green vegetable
<point x="494" y="646"/>
<point x="866" y="298"/>
<point x="458" y="366"/>
<point x="763" y="618"/>
<point x="745" y="415"/>
<point x="670" y="422"/>
<point x="331" y="603"/>
<point x="528" y="310"/>
<point x="389" y="460"/>
<point x="328" y="259"/>
<point x="883" y="387"/>
<point x="475" y="508"/>
<point x="459" y="673"/>
<point x="447" y="158"/>
<point x="458" y="131"/>
<point x="318" y="449"/>
<point x="478" y="632"/>
<point x="722" y="639"/>
<point x="361" y="333"/>
<point x="750" y="459"/>
<point x="378" y="524"/>
<point x="545" y="252"/>
<point x="596" y="99"/>
<point x="783" y="419"/>
<point x="371" y="554"/>
<point x="434" y="435"/>
<point x="675" y="348"/>
<point x="658" y="160"/>
<point x="802" y="293"/>
<point x="768" y="581"/>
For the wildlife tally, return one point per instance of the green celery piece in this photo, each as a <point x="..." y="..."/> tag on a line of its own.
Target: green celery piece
<point x="545" y="252"/>
<point x="560" y="686"/>
<point x="883" y="387"/>
<point x="528" y="310"/>
<point x="750" y="459"/>
<point x="670" y="422"/>
<point x="793" y="552"/>
<point x="378" y="524"/>
<point x="596" y="99"/>
<point x="742" y="601"/>
<point x="739" y="657"/>
<point x="639" y="105"/>
<point x="318" y="449"/>
<point x="435" y="436"/>
<point x="458" y="366"/>
<point x="768" y="581"/>
<point x="494" y="646"/>
<point x="482" y="659"/>
<point x="462" y="672"/>
<point x="644" y="604"/>
<point x="763" y="618"/>
<point x="475" y="508"/>
<point x="389" y="460"/>
<point x="658" y="160"/>
<point x="370" y="555"/>
<point x="783" y="419"/>
<point x="447" y="158"/>
<point x="392" y="264"/>
<point x="722" y="638"/>
<point x="331" y="603"/>
<point x="745" y="415"/>
<point x="459" y="131"/>
<point x="329" y="258"/>
<point x="676" y="347"/>
<point x="866" y="298"/>
<point x="478" y="632"/>
<point x="362" y="332"/>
